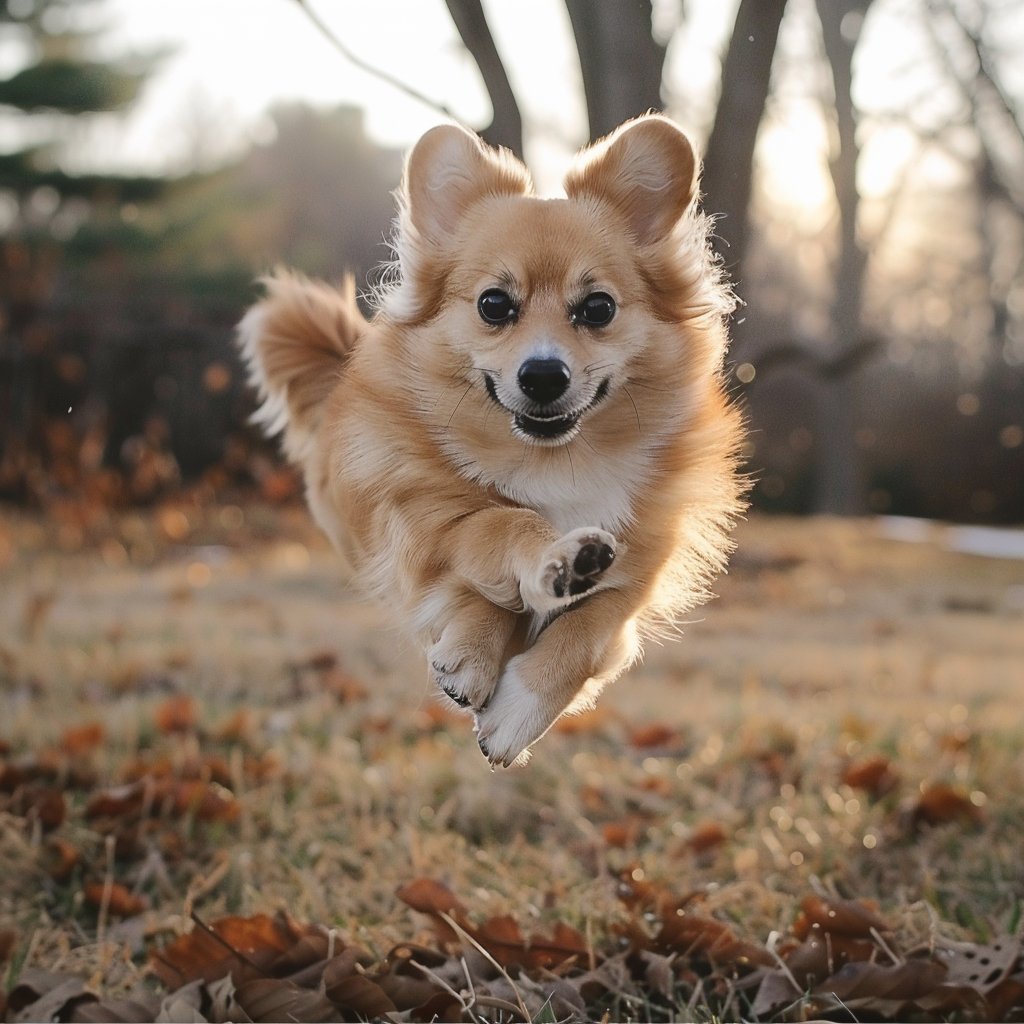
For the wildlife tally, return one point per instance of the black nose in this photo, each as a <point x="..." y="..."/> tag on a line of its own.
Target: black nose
<point x="544" y="380"/>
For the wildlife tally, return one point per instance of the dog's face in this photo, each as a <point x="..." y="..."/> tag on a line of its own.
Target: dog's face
<point x="545" y="325"/>
<point x="534" y="316"/>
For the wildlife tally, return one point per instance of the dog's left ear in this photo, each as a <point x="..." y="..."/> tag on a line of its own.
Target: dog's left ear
<point x="448" y="170"/>
<point x="646" y="169"/>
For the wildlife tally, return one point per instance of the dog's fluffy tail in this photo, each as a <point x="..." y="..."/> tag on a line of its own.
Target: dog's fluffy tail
<point x="295" y="342"/>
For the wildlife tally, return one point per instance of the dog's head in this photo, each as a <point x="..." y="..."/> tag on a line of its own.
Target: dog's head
<point x="535" y="315"/>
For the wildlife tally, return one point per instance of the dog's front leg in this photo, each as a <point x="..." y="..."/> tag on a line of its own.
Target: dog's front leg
<point x="505" y="560"/>
<point x="584" y="648"/>
<point x="513" y="557"/>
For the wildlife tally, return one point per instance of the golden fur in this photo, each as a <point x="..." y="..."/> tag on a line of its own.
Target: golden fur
<point x="480" y="533"/>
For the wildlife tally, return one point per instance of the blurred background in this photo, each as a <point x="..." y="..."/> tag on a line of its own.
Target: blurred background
<point x="866" y="158"/>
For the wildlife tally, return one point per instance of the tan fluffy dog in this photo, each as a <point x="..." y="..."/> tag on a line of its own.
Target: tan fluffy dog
<point x="527" y="453"/>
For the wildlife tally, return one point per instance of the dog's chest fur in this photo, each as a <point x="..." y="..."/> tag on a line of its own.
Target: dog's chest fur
<point x="592" y="492"/>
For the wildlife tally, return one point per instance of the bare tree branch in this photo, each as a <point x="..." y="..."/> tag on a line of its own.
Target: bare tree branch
<point x="379" y="73"/>
<point x="506" y="127"/>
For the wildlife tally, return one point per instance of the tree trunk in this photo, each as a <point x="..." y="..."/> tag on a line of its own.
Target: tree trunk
<point x="506" y="127"/>
<point x="838" y="487"/>
<point x="620" y="60"/>
<point x="729" y="154"/>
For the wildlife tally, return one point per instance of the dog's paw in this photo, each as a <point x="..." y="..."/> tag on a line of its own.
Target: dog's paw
<point x="569" y="568"/>
<point x="514" y="719"/>
<point x="466" y="667"/>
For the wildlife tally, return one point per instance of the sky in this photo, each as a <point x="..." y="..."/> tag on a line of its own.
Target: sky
<point x="227" y="61"/>
<point x="232" y="59"/>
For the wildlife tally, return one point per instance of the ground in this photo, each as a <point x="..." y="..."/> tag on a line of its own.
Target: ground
<point x="842" y="722"/>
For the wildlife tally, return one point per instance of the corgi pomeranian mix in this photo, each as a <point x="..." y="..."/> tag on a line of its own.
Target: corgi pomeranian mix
<point x="528" y="452"/>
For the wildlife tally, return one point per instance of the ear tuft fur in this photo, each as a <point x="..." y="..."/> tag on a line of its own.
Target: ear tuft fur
<point x="646" y="168"/>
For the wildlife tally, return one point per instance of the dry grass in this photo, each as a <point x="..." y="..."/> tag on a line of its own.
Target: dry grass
<point x="828" y="645"/>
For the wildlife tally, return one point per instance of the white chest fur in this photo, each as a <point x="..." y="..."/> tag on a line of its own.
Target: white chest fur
<point x="591" y="492"/>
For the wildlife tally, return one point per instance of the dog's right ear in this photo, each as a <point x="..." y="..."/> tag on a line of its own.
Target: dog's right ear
<point x="450" y="169"/>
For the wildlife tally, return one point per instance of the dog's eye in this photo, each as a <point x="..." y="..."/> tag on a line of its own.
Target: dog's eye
<point x="596" y="310"/>
<point x="496" y="307"/>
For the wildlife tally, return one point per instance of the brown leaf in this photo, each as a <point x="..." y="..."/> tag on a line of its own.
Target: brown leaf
<point x="655" y="735"/>
<point x="854" y="918"/>
<point x="586" y="723"/>
<point x="903" y="982"/>
<point x="503" y="939"/>
<point x="44" y="804"/>
<point x="208" y="801"/>
<point x="694" y="934"/>
<point x="430" y="897"/>
<point x="353" y="992"/>
<point x="941" y="804"/>
<point x="177" y="714"/>
<point x="8" y="937"/>
<point x="236" y="728"/>
<point x="707" y="836"/>
<point x="271" y="999"/>
<point x="344" y="687"/>
<point x="624" y="832"/>
<point x="875" y="775"/>
<point x="245" y="946"/>
<point x="823" y="954"/>
<point x="59" y="858"/>
<point x="82" y="739"/>
<point x="117" y="801"/>
<point x="120" y="901"/>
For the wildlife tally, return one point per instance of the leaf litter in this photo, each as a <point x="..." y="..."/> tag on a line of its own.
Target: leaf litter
<point x="110" y="836"/>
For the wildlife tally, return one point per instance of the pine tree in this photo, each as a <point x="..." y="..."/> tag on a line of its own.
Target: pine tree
<point x="44" y="202"/>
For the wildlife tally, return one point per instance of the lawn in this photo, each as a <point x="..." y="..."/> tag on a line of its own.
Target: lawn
<point x="812" y="804"/>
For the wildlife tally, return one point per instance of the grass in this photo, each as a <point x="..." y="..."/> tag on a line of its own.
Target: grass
<point x="716" y="768"/>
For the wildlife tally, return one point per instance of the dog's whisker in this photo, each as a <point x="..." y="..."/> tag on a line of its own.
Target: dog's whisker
<point x="572" y="468"/>
<point x="640" y="383"/>
<point x="469" y="387"/>
<point x="636" y="411"/>
<point x="586" y="440"/>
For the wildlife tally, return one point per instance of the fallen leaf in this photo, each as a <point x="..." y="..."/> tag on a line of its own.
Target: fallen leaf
<point x="354" y="993"/>
<point x="44" y="804"/>
<point x="624" y="832"/>
<point x="116" y="1011"/>
<point x="177" y="714"/>
<point x="706" y="836"/>
<point x="119" y="900"/>
<point x="823" y="953"/>
<point x="941" y="804"/>
<point x="244" y="946"/>
<point x="46" y="995"/>
<point x="654" y="735"/>
<point x="691" y="933"/>
<point x="59" y="858"/>
<point x="271" y="999"/>
<point x="982" y="967"/>
<point x="903" y="982"/>
<point x="82" y="739"/>
<point x="875" y="775"/>
<point x="838" y="917"/>
<point x="586" y="723"/>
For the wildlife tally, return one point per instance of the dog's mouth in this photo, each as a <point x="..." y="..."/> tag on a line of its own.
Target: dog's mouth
<point x="537" y="427"/>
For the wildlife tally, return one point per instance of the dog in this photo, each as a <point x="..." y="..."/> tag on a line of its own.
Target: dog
<point x="529" y="452"/>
